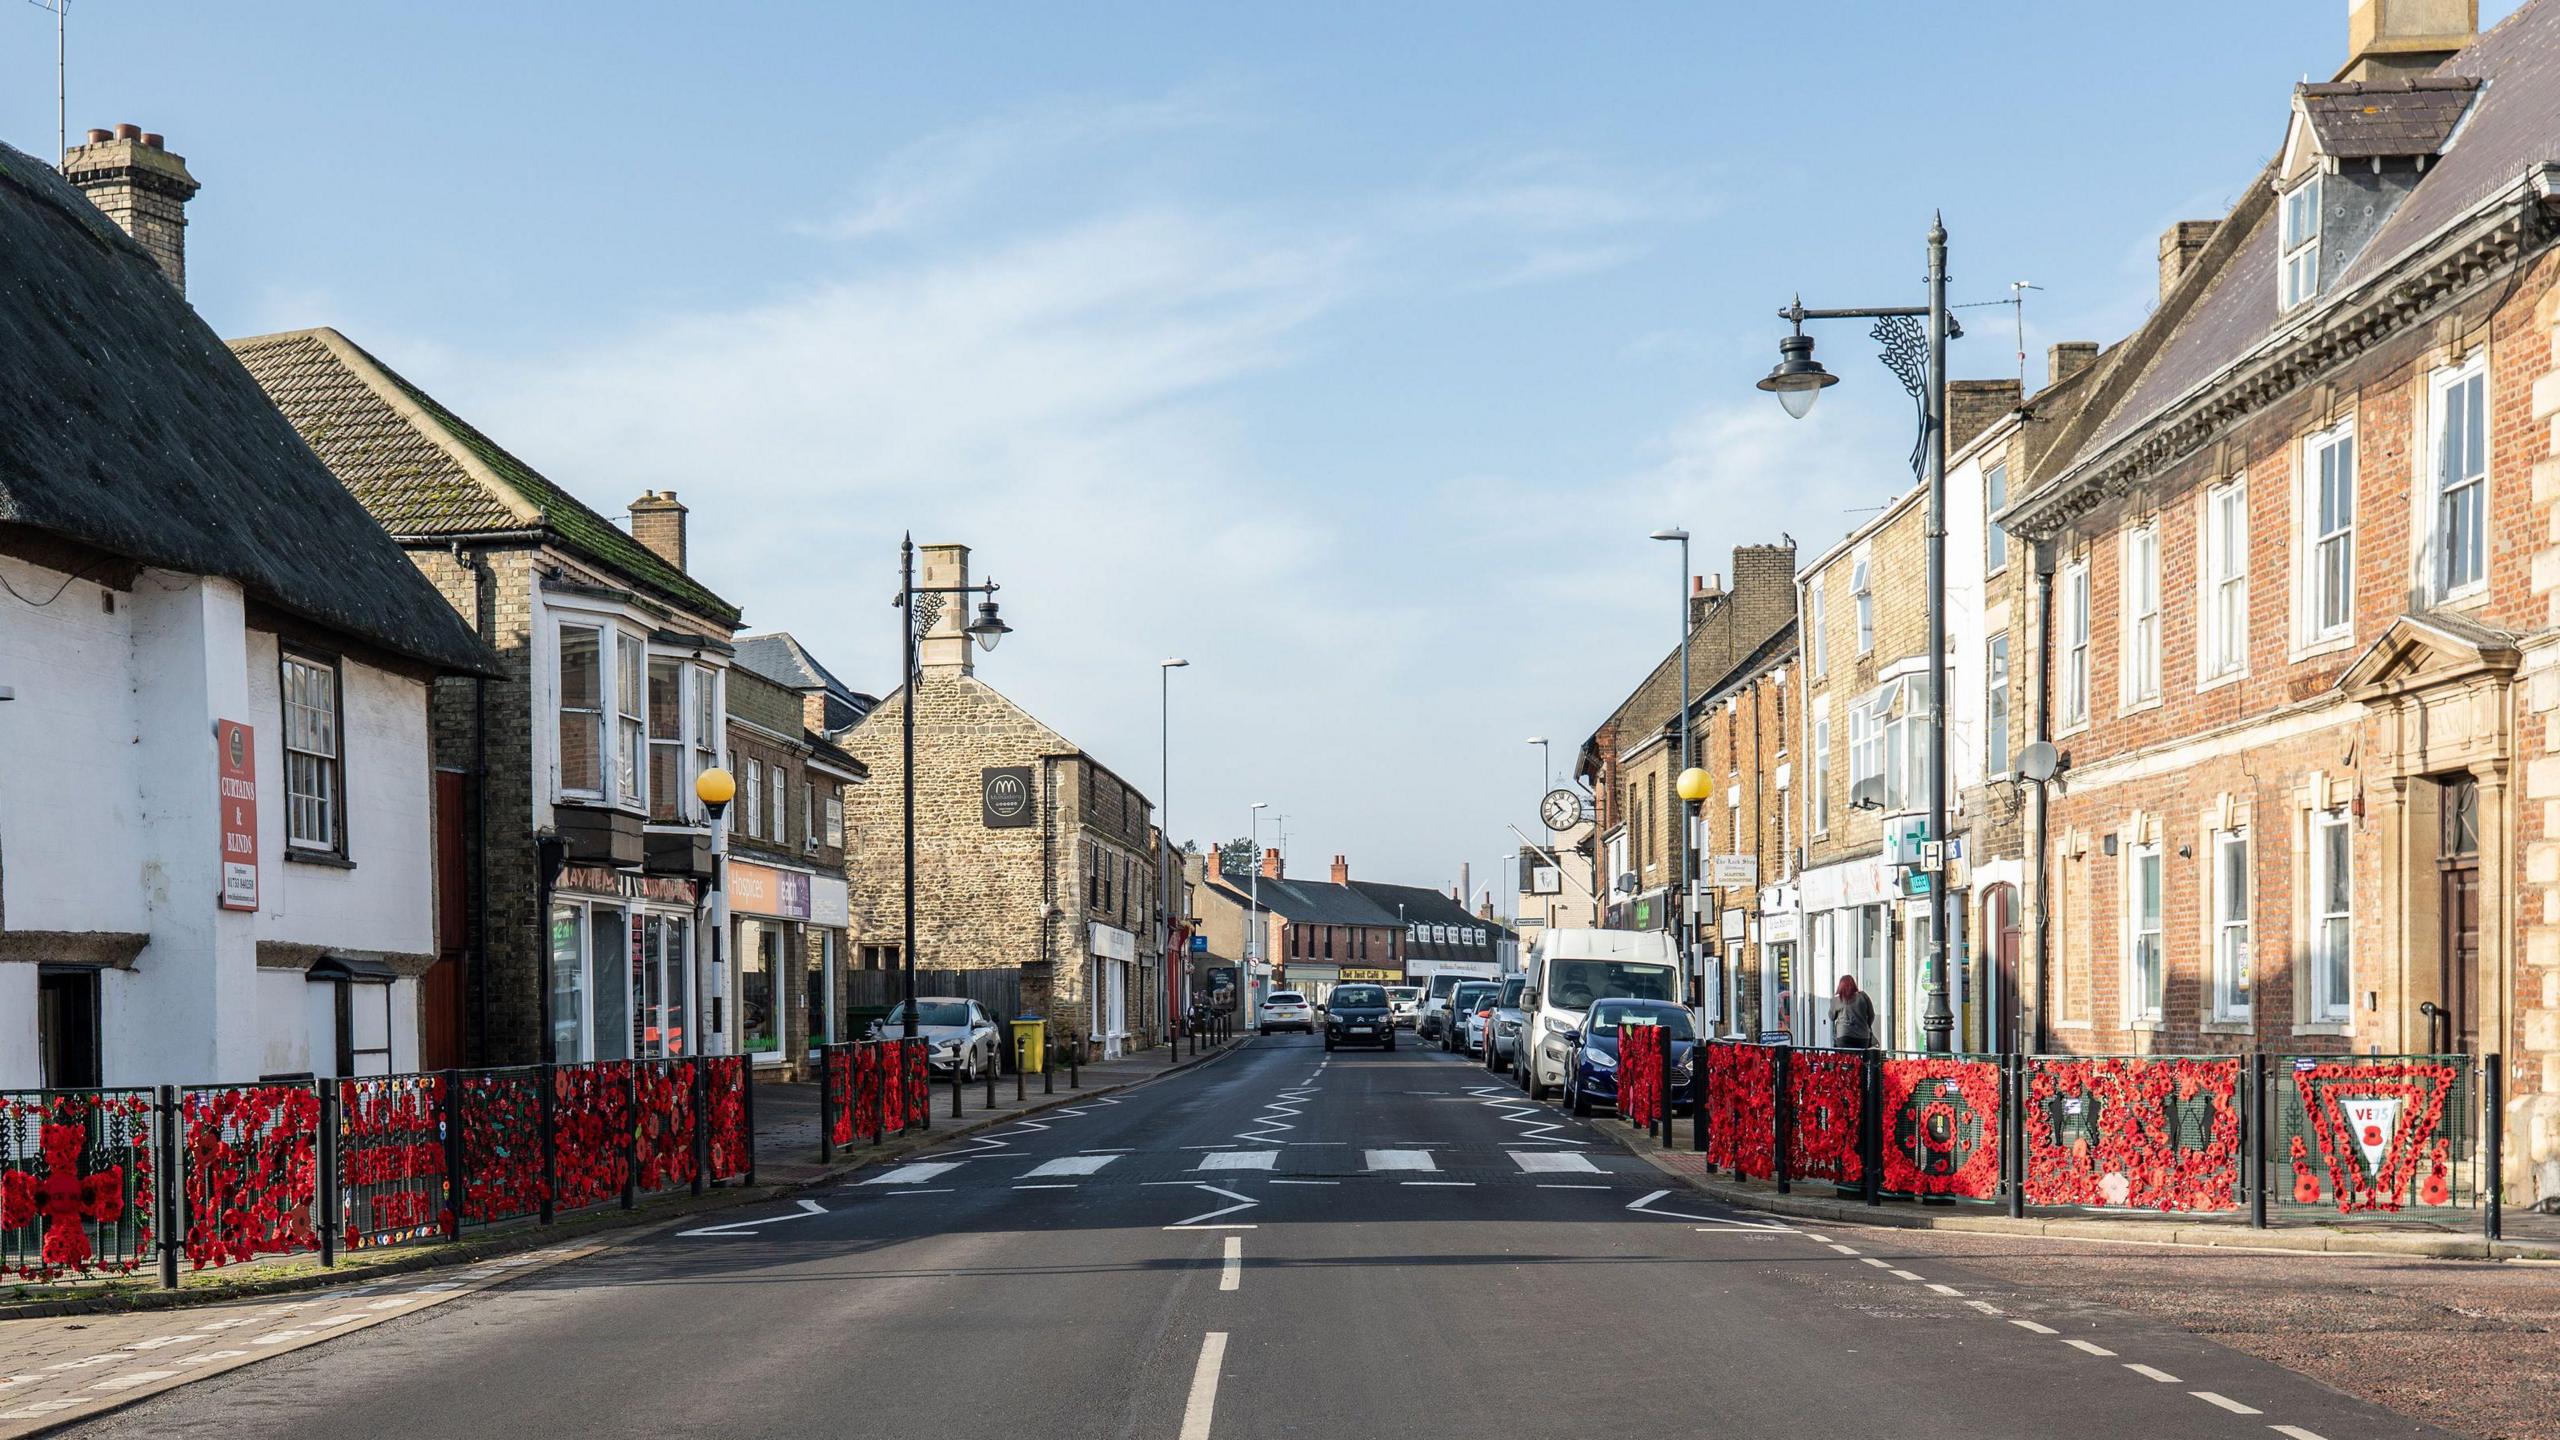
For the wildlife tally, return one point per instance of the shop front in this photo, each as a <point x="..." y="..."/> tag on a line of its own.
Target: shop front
<point x="789" y="982"/>
<point x="1115" y="955"/>
<point x="624" y="966"/>
<point x="1847" y="929"/>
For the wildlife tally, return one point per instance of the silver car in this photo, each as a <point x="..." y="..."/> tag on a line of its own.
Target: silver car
<point x="958" y="1033"/>
<point x="1508" y="1021"/>
<point x="1288" y="1010"/>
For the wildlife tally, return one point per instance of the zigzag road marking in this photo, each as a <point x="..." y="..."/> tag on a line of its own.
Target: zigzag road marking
<point x="1511" y="1105"/>
<point x="1268" y="1124"/>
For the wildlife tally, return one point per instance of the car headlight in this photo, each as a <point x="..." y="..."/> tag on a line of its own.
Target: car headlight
<point x="1559" y="1029"/>
<point x="1508" y="1027"/>
<point x="1600" y="1059"/>
<point x="1685" y="1067"/>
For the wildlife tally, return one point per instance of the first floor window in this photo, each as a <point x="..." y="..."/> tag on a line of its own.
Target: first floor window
<point x="835" y="817"/>
<point x="2332" y="896"/>
<point x="2143" y="973"/>
<point x="2142" y="613"/>
<point x="1996" y="717"/>
<point x="631" y="725"/>
<point x="2231" y="925"/>
<point x="1821" y="821"/>
<point x="2330" y="510"/>
<point x="581" y="688"/>
<point x="705" y="720"/>
<point x="2075" y="643"/>
<point x="809" y="813"/>
<point x="780" y="819"/>
<point x="2461" y="480"/>
<point x="669" y="792"/>
<point x="754" y="796"/>
<point x="315" y="808"/>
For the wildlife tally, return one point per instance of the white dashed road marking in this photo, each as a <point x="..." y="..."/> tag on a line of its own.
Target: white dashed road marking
<point x="2163" y="1376"/>
<point x="1203" y="1403"/>
<point x="2226" y="1402"/>
<point x="2296" y="1432"/>
<point x="1231" y="1271"/>
<point x="1400" y="1160"/>
<point x="1552" y="1162"/>
<point x="915" y="1174"/>
<point x="2092" y="1349"/>
<point x="1238" y="1160"/>
<point x="1069" y="1165"/>
<point x="2034" y="1328"/>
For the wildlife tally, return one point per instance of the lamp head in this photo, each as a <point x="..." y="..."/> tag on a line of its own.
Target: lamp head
<point x="1694" y="785"/>
<point x="1172" y="664"/>
<point x="989" y="627"/>
<point x="1797" y="379"/>
<point x="715" y="788"/>
<point x="1672" y="532"/>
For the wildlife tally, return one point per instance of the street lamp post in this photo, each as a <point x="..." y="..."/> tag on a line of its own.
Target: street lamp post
<point x="987" y="629"/>
<point x="1164" y="840"/>
<point x="715" y="788"/>
<point x="1918" y="358"/>
<point x="1253" y="899"/>
<point x="1684" y="923"/>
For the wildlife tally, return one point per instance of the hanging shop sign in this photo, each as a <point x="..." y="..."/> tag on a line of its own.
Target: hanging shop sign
<point x="239" y="790"/>
<point x="1004" y="797"/>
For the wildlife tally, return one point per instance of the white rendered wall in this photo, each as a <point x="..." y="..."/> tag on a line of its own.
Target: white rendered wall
<point x="70" y="853"/>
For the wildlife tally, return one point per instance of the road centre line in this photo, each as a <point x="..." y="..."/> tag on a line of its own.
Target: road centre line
<point x="1231" y="1270"/>
<point x="2226" y="1402"/>
<point x="2296" y="1432"/>
<point x="1985" y="1306"/>
<point x="1203" y="1403"/>
<point x="1845" y="1250"/>
<point x="2084" y="1345"/>
<point x="1445" y="1184"/>
<point x="1947" y="1290"/>
<point x="2163" y="1376"/>
<point x="1044" y="1187"/>
<point x="2036" y="1328"/>
<point x="1291" y="1182"/>
<point x="1902" y="1275"/>
<point x="1871" y="1260"/>
<point x="1554" y="1186"/>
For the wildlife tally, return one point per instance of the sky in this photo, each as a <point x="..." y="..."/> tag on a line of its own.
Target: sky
<point x="1350" y="352"/>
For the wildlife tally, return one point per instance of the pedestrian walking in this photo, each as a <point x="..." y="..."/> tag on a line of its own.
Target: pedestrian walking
<point x="1853" y="1016"/>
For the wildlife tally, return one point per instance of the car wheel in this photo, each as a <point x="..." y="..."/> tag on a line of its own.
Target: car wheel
<point x="1529" y="1080"/>
<point x="1575" y="1100"/>
<point x="1266" y="1029"/>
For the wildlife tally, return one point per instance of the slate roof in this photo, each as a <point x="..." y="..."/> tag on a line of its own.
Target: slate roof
<point x="2511" y="127"/>
<point x="2363" y="120"/>
<point x="425" y="472"/>
<point x="1309" y="902"/>
<point x="782" y="659"/>
<point x="125" y="426"/>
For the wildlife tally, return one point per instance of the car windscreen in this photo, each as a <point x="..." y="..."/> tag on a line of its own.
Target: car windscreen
<point x="1359" y="997"/>
<point x="1470" y="997"/>
<point x="1575" y="984"/>
<point x="954" y="1013"/>
<point x="1406" y="993"/>
<point x="1441" y="985"/>
<point x="1608" y="1016"/>
<point x="1511" y="989"/>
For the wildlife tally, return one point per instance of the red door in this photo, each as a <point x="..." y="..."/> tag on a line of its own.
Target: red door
<point x="440" y="989"/>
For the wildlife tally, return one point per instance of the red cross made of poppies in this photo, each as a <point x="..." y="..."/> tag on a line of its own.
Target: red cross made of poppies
<point x="64" y="1198"/>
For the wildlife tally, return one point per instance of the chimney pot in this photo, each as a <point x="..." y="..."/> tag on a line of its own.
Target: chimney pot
<point x="100" y="137"/>
<point x="155" y="140"/>
<point x="128" y="132"/>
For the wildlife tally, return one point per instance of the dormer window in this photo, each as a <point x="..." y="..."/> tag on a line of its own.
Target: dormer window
<point x="2300" y="239"/>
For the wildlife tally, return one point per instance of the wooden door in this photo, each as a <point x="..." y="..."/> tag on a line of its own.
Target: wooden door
<point x="2458" y="870"/>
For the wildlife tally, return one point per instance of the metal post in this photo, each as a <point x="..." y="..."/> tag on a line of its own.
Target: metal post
<point x="2014" y="1131"/>
<point x="1783" y="1117"/>
<point x="1662" y="1092"/>
<point x="907" y="774"/>
<point x="2256" y="1070"/>
<point x="1871" y="1127"/>
<point x="2493" y="1094"/>
<point x="170" y="1175"/>
<point x="457" y="1180"/>
<point x="1937" y="1022"/>
<point x="550" y="1073"/>
<point x="1706" y="1088"/>
<point x="1075" y="1059"/>
<point x="827" y="1103"/>
<point x="699" y="1083"/>
<point x="330" y="1200"/>
<point x="747" y="1112"/>
<point x="958" y="1080"/>
<point x="1021" y="1062"/>
<point x="1684" y="924"/>
<point x="1048" y="1069"/>
<point x="992" y="1068"/>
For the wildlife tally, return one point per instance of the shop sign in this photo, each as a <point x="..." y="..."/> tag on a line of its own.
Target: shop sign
<point x="1364" y="973"/>
<point x="1004" y="797"/>
<point x="1742" y="870"/>
<point x="625" y="885"/>
<point x="239" y="787"/>
<point x="762" y="890"/>
<point x="1778" y="927"/>
<point x="1110" y="942"/>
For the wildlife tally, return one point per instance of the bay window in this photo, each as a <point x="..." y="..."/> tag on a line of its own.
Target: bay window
<point x="631" y="727"/>
<point x="670" y="790"/>
<point x="582" y="746"/>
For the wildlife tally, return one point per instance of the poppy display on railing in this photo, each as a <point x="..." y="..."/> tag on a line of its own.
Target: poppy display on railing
<point x="1942" y="1126"/>
<point x="1827" y="1100"/>
<point x="502" y="1165"/>
<point x="392" y="1162"/>
<point x="77" y="1187"/>
<point x="662" y="1153"/>
<point x="1640" y="1074"/>
<point x="732" y="1148"/>
<point x="2377" y="1138"/>
<point x="1742" y="1125"/>
<point x="2147" y="1132"/>
<point x="252" y="1171"/>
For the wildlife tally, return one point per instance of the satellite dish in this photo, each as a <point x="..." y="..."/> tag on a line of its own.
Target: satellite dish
<point x="2040" y="761"/>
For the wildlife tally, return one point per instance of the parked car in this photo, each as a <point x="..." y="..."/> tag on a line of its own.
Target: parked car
<point x="1463" y="1002"/>
<point x="958" y="1033"/>
<point x="1502" y="1049"/>
<point x="1288" y="1010"/>
<point x="1359" y="1015"/>
<point x="1569" y="970"/>
<point x="1591" y="1075"/>
<point x="1404" y="1002"/>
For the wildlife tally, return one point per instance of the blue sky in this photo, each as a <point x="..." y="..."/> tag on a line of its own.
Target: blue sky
<point x="1350" y="351"/>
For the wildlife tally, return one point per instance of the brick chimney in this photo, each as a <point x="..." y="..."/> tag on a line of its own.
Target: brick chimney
<point x="2394" y="39"/>
<point x="133" y="180"/>
<point x="947" y="648"/>
<point x="657" y="522"/>
<point x="1341" y="870"/>
<point x="1704" y="592"/>
<point x="1974" y="406"/>
<point x="2180" y="244"/>
<point x="1271" y="864"/>
<point x="2066" y="358"/>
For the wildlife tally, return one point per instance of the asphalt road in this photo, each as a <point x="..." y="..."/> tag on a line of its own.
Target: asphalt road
<point x="1285" y="1243"/>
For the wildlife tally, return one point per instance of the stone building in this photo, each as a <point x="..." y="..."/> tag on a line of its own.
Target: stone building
<point x="1032" y="856"/>
<point x="2313" y="799"/>
<point x="218" y="808"/>
<point x="1631" y="761"/>
<point x="790" y="966"/>
<point x="610" y="698"/>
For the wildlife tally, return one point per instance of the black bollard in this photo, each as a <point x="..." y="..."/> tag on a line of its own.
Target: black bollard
<point x="958" y="1079"/>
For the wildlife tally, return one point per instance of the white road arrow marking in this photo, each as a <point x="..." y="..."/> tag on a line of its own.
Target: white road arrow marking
<point x="1243" y="1202"/>
<point x="1644" y="1206"/>
<point x="740" y="1227"/>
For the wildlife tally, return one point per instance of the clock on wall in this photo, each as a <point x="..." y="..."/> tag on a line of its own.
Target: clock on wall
<point x="1562" y="809"/>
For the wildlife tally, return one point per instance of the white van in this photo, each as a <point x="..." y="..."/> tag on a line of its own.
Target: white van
<point x="1570" y="969"/>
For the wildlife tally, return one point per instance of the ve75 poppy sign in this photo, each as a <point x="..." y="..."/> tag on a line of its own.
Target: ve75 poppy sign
<point x="239" y="803"/>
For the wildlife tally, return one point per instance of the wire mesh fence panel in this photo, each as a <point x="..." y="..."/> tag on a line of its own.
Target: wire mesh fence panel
<point x="78" y="1182"/>
<point x="836" y="1065"/>
<point x="1640" y="1073"/>
<point x="1941" y="1125"/>
<point x="890" y="1067"/>
<point x="725" y="1081"/>
<point x="392" y="1161"/>
<point x="2373" y="1133"/>
<point x="252" y="1171"/>
<point x="1827" y="1092"/>
<point x="663" y="1124"/>
<point x="502" y="1175"/>
<point x="2152" y="1132"/>
<point x="1742" y="1133"/>
<point x="919" y="1081"/>
<point x="590" y="1128"/>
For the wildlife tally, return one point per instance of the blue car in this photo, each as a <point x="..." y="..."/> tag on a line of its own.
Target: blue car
<point x="1591" y="1070"/>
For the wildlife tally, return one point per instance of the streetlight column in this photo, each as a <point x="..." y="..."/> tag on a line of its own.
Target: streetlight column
<point x="1684" y="925"/>
<point x="1918" y="358"/>
<point x="1164" y="839"/>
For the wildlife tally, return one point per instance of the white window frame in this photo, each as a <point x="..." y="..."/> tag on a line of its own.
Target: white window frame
<point x="629" y="706"/>
<point x="1817" y="653"/>
<point x="1995" y="707"/>
<point x="2444" y="484"/>
<point x="704" y="721"/>
<point x="2140" y="683"/>
<point x="601" y="733"/>
<point x="2332" y="927"/>
<point x="1995" y="496"/>
<point x="1862" y="597"/>
<point x="808" y="813"/>
<point x="754" y="796"/>
<point x="2329" y="534"/>
<point x="1866" y="742"/>
<point x="2145" y="981"/>
<point x="778" y="824"/>
<point x="674" y="745"/>
<point x="2233" y="925"/>
<point x="2298" y="239"/>
<point x="2222" y="640"/>
<point x="1820" y="820"/>
<point x="2074" y="629"/>
<point x="315" y="745"/>
<point x="835" y="817"/>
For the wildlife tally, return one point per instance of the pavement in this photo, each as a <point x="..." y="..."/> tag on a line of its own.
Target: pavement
<point x="1287" y="1243"/>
